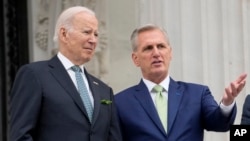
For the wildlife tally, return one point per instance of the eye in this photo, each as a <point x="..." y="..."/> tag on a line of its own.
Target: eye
<point x="148" y="48"/>
<point x="96" y="34"/>
<point x="86" y="32"/>
<point x="161" y="46"/>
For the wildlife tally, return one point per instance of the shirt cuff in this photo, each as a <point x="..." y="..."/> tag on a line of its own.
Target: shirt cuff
<point x="226" y="110"/>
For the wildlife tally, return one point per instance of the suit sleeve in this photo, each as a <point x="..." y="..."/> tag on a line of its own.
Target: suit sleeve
<point x="25" y="103"/>
<point x="213" y="117"/>
<point x="245" y="119"/>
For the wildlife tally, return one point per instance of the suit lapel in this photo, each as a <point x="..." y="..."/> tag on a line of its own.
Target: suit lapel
<point x="145" y="100"/>
<point x="63" y="78"/>
<point x="175" y="95"/>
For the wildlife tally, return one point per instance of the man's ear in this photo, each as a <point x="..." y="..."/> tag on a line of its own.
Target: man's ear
<point x="63" y="34"/>
<point x="170" y="54"/>
<point x="135" y="59"/>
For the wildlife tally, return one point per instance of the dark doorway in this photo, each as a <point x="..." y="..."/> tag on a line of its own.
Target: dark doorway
<point x="13" y="52"/>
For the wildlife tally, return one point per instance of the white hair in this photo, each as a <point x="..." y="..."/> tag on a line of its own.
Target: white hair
<point x="65" y="19"/>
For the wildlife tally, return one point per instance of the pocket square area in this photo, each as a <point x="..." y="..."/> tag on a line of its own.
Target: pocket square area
<point x="104" y="101"/>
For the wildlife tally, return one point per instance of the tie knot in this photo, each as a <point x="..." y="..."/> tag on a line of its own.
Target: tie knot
<point x="76" y="68"/>
<point x="158" y="88"/>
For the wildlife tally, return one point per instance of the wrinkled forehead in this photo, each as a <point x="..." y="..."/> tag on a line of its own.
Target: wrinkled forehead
<point x="153" y="35"/>
<point x="85" y="19"/>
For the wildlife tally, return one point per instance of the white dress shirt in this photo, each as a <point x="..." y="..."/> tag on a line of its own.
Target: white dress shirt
<point x="226" y="110"/>
<point x="67" y="65"/>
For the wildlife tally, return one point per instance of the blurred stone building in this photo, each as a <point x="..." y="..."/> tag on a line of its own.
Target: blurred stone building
<point x="210" y="41"/>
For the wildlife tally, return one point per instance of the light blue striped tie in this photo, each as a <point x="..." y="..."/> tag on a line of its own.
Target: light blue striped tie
<point x="83" y="91"/>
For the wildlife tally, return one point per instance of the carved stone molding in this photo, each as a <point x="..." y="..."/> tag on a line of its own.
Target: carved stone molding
<point x="42" y="25"/>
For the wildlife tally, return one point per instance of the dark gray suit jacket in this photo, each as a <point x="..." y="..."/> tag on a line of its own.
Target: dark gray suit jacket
<point x="45" y="106"/>
<point x="245" y="119"/>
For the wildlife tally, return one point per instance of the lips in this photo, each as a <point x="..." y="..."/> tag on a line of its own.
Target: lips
<point x="89" y="48"/>
<point x="157" y="63"/>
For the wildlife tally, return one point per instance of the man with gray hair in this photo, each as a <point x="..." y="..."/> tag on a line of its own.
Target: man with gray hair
<point x="57" y="99"/>
<point x="162" y="109"/>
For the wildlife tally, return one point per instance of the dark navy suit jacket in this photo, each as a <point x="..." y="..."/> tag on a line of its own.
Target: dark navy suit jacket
<point x="245" y="119"/>
<point x="46" y="106"/>
<point x="191" y="109"/>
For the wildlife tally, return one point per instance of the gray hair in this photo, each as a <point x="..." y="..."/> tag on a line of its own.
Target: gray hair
<point x="66" y="17"/>
<point x="147" y="27"/>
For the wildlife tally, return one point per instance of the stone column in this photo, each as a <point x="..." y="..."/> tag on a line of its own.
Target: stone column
<point x="210" y="41"/>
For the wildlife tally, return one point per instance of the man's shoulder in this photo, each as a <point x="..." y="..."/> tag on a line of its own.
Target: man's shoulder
<point x="38" y="65"/>
<point x="126" y="92"/>
<point x="247" y="100"/>
<point x="128" y="89"/>
<point x="189" y="84"/>
<point x="248" y="97"/>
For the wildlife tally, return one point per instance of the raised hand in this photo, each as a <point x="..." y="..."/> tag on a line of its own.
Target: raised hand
<point x="234" y="89"/>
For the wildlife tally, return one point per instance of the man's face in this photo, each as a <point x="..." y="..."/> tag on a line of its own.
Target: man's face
<point x="81" y="40"/>
<point x="153" y="55"/>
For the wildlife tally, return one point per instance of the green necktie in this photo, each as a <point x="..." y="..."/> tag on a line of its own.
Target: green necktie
<point x="161" y="105"/>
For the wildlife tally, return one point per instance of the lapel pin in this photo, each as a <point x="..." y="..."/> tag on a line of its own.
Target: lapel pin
<point x="95" y="83"/>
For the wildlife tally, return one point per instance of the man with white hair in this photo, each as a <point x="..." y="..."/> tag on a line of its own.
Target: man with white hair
<point x="57" y="99"/>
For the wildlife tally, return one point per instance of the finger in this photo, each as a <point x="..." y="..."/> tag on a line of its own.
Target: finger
<point x="234" y="90"/>
<point x="241" y="78"/>
<point x="228" y="92"/>
<point x="241" y="86"/>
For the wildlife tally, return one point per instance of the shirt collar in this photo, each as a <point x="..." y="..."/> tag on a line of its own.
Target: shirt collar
<point x="66" y="62"/>
<point x="150" y="85"/>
